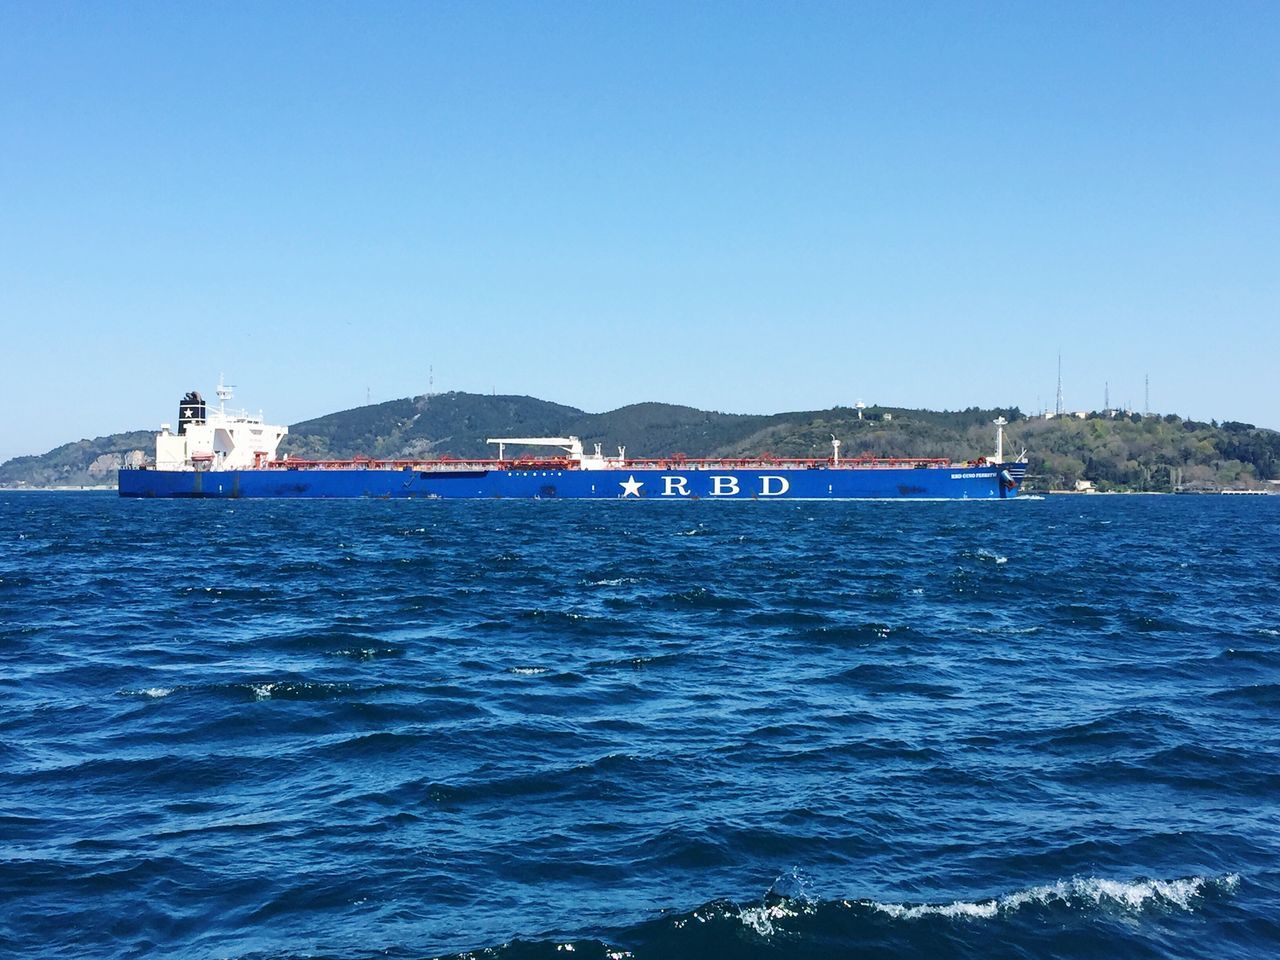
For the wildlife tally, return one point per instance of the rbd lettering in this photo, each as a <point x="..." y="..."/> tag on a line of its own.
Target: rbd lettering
<point x="725" y="486"/>
<point x="767" y="488"/>
<point x="675" y="486"/>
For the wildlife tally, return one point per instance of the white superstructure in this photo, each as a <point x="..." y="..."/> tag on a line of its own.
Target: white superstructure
<point x="219" y="439"/>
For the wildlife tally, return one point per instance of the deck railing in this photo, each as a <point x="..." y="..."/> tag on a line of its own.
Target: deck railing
<point x="451" y="465"/>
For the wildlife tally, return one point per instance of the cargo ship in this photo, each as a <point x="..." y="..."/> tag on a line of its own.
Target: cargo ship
<point x="216" y="453"/>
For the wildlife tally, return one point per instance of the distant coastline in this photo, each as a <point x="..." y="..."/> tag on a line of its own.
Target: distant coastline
<point x="1103" y="451"/>
<point x="64" y="488"/>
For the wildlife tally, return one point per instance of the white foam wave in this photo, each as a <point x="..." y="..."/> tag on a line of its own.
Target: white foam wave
<point x="760" y="919"/>
<point x="610" y="954"/>
<point x="155" y="693"/>
<point x="984" y="909"/>
<point x="360" y="653"/>
<point x="530" y="671"/>
<point x="288" y="689"/>
<point x="1097" y="892"/>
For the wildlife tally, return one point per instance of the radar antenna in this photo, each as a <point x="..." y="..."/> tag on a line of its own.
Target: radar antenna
<point x="224" y="392"/>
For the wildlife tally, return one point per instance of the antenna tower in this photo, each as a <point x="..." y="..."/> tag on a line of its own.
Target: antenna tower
<point x="1057" y="410"/>
<point x="1146" y="395"/>
<point x="1106" y="398"/>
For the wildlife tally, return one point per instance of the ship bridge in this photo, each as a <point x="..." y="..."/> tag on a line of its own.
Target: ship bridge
<point x="217" y="439"/>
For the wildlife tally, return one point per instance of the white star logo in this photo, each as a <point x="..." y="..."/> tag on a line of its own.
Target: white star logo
<point x="631" y="486"/>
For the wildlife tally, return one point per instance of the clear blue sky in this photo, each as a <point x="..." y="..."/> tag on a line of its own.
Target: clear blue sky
<point x="748" y="207"/>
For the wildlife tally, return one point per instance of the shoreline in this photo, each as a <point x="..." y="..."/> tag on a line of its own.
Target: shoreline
<point x="61" y="489"/>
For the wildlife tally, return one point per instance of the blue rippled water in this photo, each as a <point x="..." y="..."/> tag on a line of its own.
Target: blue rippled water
<point x="534" y="729"/>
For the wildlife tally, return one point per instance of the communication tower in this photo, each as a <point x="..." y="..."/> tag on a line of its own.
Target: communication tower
<point x="1057" y="409"/>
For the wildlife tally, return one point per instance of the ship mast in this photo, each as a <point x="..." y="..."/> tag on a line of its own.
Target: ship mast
<point x="224" y="393"/>
<point x="1000" y="425"/>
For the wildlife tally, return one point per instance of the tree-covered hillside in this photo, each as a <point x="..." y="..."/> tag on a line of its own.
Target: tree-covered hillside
<point x="82" y="463"/>
<point x="1124" y="452"/>
<point x="457" y="424"/>
<point x="453" y="424"/>
<point x="1150" y="453"/>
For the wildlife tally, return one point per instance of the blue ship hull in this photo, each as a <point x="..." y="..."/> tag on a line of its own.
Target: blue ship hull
<point x="987" y="482"/>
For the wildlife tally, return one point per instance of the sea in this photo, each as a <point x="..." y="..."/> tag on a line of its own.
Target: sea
<point x="539" y="729"/>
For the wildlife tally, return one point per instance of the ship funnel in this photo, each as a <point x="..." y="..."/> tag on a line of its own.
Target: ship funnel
<point x="191" y="410"/>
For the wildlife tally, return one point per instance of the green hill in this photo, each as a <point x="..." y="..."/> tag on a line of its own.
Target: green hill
<point x="82" y="463"/>
<point x="1130" y="453"/>
<point x="453" y="424"/>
